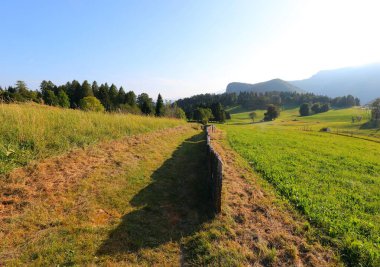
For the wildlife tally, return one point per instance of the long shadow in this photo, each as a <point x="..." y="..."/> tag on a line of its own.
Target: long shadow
<point x="246" y="123"/>
<point x="370" y="125"/>
<point x="174" y="205"/>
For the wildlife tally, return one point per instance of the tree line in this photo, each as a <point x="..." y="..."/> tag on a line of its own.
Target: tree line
<point x="92" y="97"/>
<point x="255" y="101"/>
<point x="307" y="109"/>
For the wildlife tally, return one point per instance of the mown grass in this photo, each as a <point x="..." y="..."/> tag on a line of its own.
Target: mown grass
<point x="32" y="132"/>
<point x="338" y="120"/>
<point x="334" y="180"/>
<point x="135" y="207"/>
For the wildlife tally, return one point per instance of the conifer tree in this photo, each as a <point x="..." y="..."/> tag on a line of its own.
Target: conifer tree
<point x="95" y="88"/>
<point x="121" y="96"/>
<point x="159" y="106"/>
<point x="86" y="90"/>
<point x="104" y="97"/>
<point x="113" y="96"/>
<point x="75" y="90"/>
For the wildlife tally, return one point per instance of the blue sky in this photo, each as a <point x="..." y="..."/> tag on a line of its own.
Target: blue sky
<point x="181" y="48"/>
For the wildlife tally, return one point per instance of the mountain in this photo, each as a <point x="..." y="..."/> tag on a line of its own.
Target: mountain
<point x="268" y="86"/>
<point x="362" y="82"/>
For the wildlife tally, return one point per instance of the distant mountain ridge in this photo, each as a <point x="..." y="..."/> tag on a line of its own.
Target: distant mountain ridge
<point x="268" y="86"/>
<point x="362" y="82"/>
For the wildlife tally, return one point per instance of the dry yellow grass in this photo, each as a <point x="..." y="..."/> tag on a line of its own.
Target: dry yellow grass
<point x="126" y="202"/>
<point x="32" y="132"/>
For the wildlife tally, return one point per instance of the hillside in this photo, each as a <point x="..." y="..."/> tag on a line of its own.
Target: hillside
<point x="32" y="132"/>
<point x="268" y="86"/>
<point x="362" y="82"/>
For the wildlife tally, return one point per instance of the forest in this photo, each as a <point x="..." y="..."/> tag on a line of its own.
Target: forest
<point x="91" y="97"/>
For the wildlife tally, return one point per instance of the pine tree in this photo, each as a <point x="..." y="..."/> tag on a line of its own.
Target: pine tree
<point x="218" y="112"/>
<point x="159" y="106"/>
<point x="121" y="96"/>
<point x="95" y="88"/>
<point x="104" y="97"/>
<point x="113" y="96"/>
<point x="86" y="90"/>
<point x="76" y="94"/>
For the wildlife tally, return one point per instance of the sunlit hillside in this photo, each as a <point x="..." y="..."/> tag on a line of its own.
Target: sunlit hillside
<point x="330" y="177"/>
<point x="30" y="131"/>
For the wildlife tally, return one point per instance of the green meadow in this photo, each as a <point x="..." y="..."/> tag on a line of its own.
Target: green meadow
<point x="332" y="178"/>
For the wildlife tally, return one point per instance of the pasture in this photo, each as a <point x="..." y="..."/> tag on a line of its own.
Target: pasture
<point x="332" y="179"/>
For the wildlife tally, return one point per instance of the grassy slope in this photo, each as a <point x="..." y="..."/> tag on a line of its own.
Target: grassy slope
<point x="31" y="132"/>
<point x="332" y="179"/>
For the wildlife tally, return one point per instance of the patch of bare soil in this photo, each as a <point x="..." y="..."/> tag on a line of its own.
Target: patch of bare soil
<point x="274" y="232"/>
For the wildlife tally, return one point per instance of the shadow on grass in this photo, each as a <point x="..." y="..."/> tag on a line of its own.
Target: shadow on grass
<point x="246" y="123"/>
<point x="174" y="205"/>
<point x="370" y="125"/>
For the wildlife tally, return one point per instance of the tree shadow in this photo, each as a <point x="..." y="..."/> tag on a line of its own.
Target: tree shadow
<point x="245" y="123"/>
<point x="370" y="125"/>
<point x="174" y="205"/>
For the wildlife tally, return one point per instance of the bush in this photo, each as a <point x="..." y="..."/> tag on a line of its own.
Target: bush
<point x="126" y="108"/>
<point x="173" y="111"/>
<point x="203" y="115"/>
<point x="272" y="113"/>
<point x="90" y="103"/>
<point x="305" y="109"/>
<point x="326" y="129"/>
<point x="325" y="107"/>
<point x="316" y="108"/>
<point x="252" y="116"/>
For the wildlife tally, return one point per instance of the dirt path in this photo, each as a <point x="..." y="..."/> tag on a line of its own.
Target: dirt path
<point x="277" y="235"/>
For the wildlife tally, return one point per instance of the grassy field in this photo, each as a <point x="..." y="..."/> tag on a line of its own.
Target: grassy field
<point x="32" y="132"/>
<point x="334" y="180"/>
<point x="127" y="202"/>
<point x="140" y="200"/>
